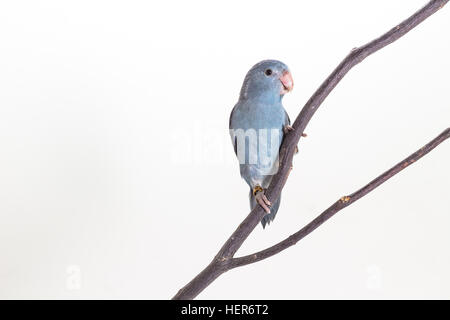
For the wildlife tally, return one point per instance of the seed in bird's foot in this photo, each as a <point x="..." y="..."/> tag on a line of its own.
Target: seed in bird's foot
<point x="304" y="135"/>
<point x="257" y="189"/>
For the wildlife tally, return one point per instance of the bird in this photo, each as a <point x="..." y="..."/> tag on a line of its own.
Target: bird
<point x="258" y="124"/>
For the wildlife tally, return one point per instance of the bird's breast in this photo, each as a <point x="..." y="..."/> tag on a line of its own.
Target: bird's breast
<point x="259" y="116"/>
<point x="257" y="130"/>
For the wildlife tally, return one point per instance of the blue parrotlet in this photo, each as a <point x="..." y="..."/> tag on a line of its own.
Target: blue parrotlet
<point x="258" y="124"/>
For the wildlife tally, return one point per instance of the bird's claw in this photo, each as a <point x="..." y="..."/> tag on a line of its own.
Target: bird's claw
<point x="261" y="198"/>
<point x="289" y="128"/>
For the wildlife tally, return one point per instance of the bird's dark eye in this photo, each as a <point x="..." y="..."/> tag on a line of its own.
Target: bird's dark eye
<point x="268" y="72"/>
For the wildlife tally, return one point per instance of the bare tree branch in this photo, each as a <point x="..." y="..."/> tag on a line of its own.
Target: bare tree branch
<point x="340" y="204"/>
<point x="224" y="260"/>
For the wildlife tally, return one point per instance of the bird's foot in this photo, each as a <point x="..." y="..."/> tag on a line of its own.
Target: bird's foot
<point x="261" y="198"/>
<point x="289" y="128"/>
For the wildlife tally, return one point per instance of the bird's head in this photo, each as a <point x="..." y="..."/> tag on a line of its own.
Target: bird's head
<point x="268" y="79"/>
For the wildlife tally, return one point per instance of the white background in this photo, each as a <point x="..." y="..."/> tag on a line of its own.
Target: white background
<point x="118" y="179"/>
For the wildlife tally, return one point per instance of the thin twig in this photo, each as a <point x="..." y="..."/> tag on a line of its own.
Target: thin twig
<point x="340" y="204"/>
<point x="223" y="261"/>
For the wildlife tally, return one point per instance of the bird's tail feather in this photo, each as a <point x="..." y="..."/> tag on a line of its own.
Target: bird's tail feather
<point x="268" y="218"/>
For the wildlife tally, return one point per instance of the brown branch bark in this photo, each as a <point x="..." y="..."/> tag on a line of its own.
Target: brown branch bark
<point x="224" y="260"/>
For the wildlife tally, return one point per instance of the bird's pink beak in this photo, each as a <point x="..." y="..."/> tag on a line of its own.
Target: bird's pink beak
<point x="287" y="82"/>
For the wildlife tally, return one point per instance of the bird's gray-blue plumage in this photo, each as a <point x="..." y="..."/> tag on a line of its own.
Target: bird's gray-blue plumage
<point x="257" y="124"/>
